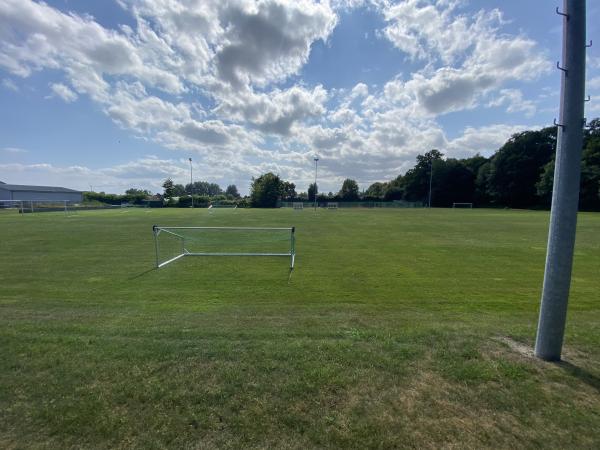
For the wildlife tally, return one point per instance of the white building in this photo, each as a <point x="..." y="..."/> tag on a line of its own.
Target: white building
<point x="46" y="193"/>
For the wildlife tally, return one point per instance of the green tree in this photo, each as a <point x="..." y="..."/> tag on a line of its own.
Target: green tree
<point x="168" y="187"/>
<point x="138" y="192"/>
<point x="589" y="195"/>
<point x="137" y="196"/>
<point x="482" y="179"/>
<point x="394" y="190"/>
<point x="178" y="190"/>
<point x="375" y="192"/>
<point x="452" y="182"/>
<point x="265" y="191"/>
<point x="517" y="166"/>
<point x="203" y="188"/>
<point x="349" y="191"/>
<point x="415" y="182"/>
<point x="232" y="191"/>
<point x="288" y="191"/>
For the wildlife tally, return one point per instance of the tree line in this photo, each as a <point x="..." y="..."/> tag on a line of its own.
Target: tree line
<point x="518" y="175"/>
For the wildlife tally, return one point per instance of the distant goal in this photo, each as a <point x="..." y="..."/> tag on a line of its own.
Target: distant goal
<point x="298" y="205"/>
<point x="173" y="243"/>
<point x="332" y="205"/>
<point x="462" y="205"/>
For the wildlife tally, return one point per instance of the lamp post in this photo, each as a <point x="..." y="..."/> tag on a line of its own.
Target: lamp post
<point x="565" y="194"/>
<point x="430" y="180"/>
<point x="316" y="165"/>
<point x="191" y="182"/>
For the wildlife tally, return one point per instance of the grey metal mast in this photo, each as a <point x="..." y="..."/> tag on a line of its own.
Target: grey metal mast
<point x="316" y="162"/>
<point x="565" y="193"/>
<point x="191" y="182"/>
<point x="430" y="181"/>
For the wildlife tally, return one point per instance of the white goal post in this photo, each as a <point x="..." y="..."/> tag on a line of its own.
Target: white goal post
<point x="30" y="206"/>
<point x="462" y="205"/>
<point x="332" y="205"/>
<point x="172" y="243"/>
<point x="298" y="205"/>
<point x="12" y="204"/>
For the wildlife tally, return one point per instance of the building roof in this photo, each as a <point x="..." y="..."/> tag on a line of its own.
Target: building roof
<point x="26" y="188"/>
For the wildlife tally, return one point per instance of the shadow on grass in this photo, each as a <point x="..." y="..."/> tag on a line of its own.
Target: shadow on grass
<point x="139" y="275"/>
<point x="587" y="377"/>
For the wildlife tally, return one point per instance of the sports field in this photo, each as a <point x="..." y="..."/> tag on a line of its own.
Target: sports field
<point x="391" y="332"/>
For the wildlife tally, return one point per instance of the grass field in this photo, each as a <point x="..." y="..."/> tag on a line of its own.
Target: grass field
<point x="391" y="332"/>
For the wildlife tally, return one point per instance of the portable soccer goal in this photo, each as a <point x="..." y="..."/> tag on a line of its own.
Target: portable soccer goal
<point x="298" y="205"/>
<point x="31" y="206"/>
<point x="172" y="243"/>
<point x="462" y="205"/>
<point x="12" y="206"/>
<point x="226" y="207"/>
<point x="332" y="205"/>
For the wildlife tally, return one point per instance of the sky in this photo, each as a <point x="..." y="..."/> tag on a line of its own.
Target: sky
<point x="113" y="94"/>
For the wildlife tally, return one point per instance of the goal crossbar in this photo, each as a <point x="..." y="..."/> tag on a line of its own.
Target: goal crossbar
<point x="185" y="241"/>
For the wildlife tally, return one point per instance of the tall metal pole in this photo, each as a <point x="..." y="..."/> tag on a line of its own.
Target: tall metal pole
<point x="565" y="194"/>
<point x="191" y="182"/>
<point x="430" y="180"/>
<point x="316" y="163"/>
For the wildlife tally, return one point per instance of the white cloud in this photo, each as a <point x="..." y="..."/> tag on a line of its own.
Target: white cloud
<point x="475" y="58"/>
<point x="62" y="91"/>
<point x="514" y="102"/>
<point x="9" y="84"/>
<point x="483" y="140"/>
<point x="218" y="79"/>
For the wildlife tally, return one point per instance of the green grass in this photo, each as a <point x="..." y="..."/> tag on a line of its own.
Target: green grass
<point x="388" y="334"/>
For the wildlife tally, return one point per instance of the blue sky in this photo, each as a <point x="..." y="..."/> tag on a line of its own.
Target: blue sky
<point x="120" y="93"/>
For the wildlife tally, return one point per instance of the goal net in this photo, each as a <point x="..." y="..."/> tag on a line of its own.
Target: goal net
<point x="172" y="243"/>
<point x="212" y="208"/>
<point x="33" y="206"/>
<point x="332" y="205"/>
<point x="298" y="205"/>
<point x="8" y="206"/>
<point x="462" y="205"/>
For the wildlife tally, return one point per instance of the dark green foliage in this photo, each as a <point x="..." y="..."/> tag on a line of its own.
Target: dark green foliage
<point x="133" y="196"/>
<point x="517" y="166"/>
<point x="349" y="191"/>
<point x="288" y="191"/>
<point x="203" y="188"/>
<point x="265" y="191"/>
<point x="179" y="190"/>
<point x="416" y="180"/>
<point x="394" y="190"/>
<point x="482" y="196"/>
<point x="589" y="194"/>
<point x="452" y="182"/>
<point x="169" y="189"/>
<point x="375" y="192"/>
<point x="200" y="201"/>
<point x="232" y="191"/>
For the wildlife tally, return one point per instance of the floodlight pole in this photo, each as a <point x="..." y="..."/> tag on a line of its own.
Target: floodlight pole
<point x="430" y="181"/>
<point x="565" y="194"/>
<point x="316" y="164"/>
<point x="191" y="183"/>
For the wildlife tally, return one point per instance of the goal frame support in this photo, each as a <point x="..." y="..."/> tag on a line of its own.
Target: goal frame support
<point x="156" y="230"/>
